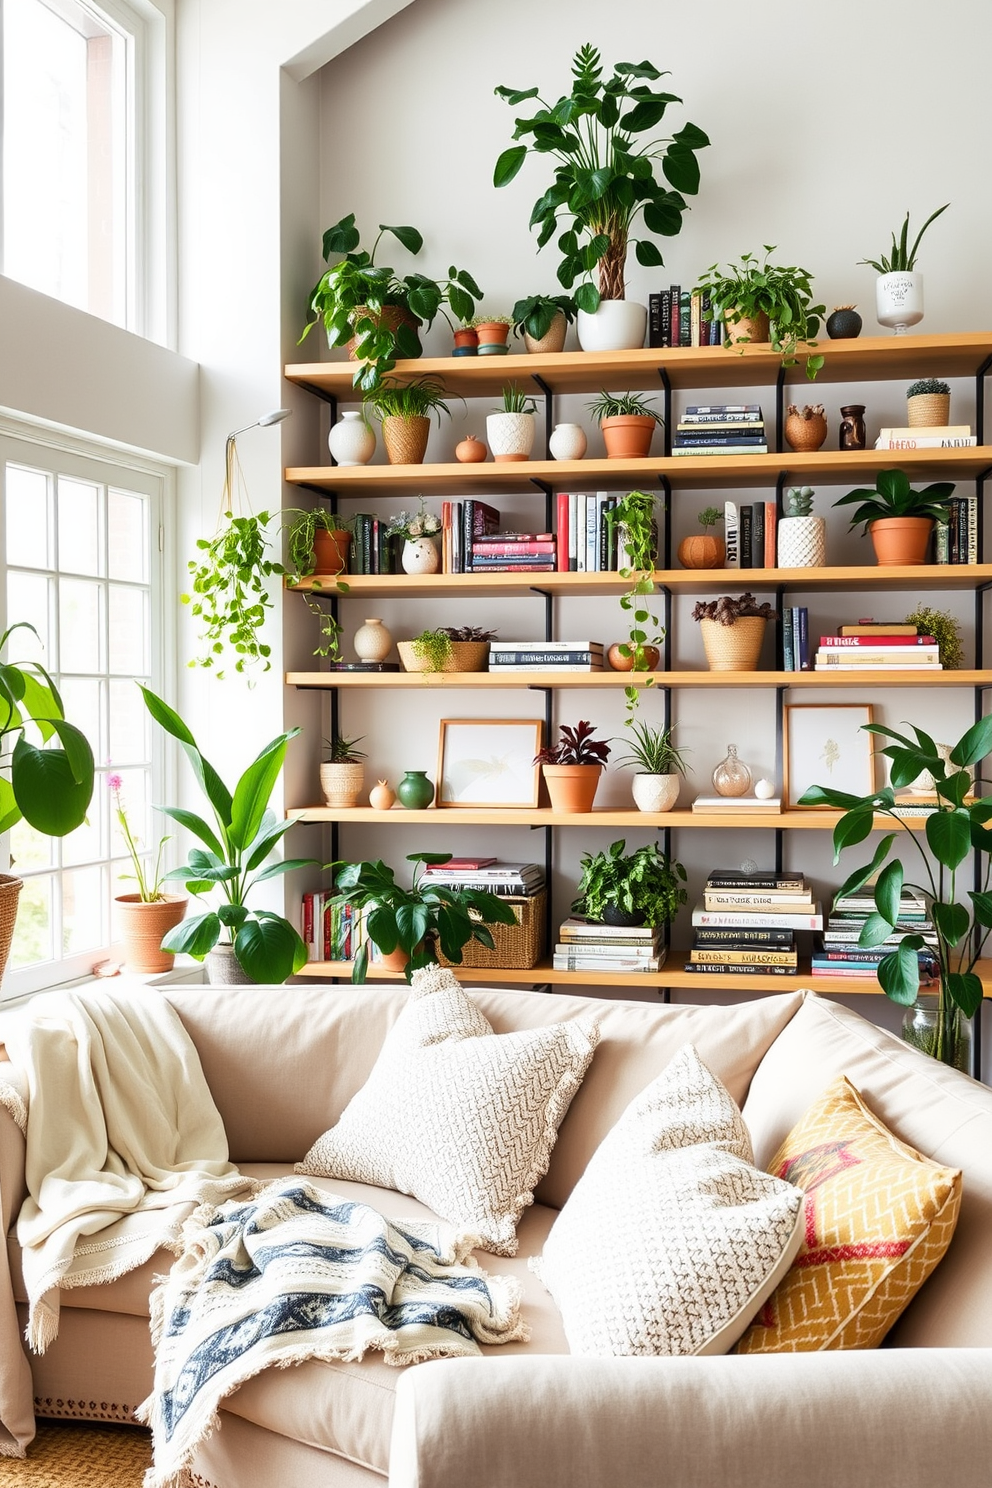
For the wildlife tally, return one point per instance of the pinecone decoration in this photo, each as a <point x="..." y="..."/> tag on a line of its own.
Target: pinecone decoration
<point x="802" y="538"/>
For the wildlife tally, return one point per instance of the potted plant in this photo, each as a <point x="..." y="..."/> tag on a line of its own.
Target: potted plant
<point x="758" y="301"/>
<point x="704" y="550"/>
<point x="239" y="944"/>
<point x="342" y="773"/>
<point x="660" y="766"/>
<point x="374" y="308"/>
<point x="928" y="403"/>
<point x="805" y="428"/>
<point x="450" y="649"/>
<point x="543" y="321"/>
<point x="606" y="185"/>
<point x="899" y="288"/>
<point x="956" y="828"/>
<point x="802" y="538"/>
<point x="899" y="519"/>
<point x="637" y="542"/>
<point x="319" y="541"/>
<point x="639" y="888"/>
<point x="144" y="918"/>
<point x="229" y="590"/>
<point x="409" y="925"/>
<point x="404" y="410"/>
<point x="48" y="785"/>
<point x="733" y="630"/>
<point x="491" y="333"/>
<point x="572" y="767"/>
<point x="628" y="423"/>
<point x="466" y="340"/>
<point x="942" y="625"/>
<point x="417" y="531"/>
<point x="510" y="430"/>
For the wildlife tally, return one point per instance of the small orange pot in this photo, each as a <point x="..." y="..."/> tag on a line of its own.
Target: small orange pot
<point x="330" y="551"/>
<point x="572" y="788"/>
<point x="470" y="451"/>
<point x="466" y="336"/>
<point x="492" y="333"/>
<point x="143" y="926"/>
<point x="900" y="540"/>
<point x="701" y="550"/>
<point x="394" y="961"/>
<point x="650" y="655"/>
<point x="628" y="436"/>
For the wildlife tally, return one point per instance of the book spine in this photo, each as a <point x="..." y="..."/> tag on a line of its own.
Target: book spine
<point x="722" y="409"/>
<point x="591" y="500"/>
<point x="306" y="920"/>
<point x="720" y="418"/>
<point x="488" y="547"/>
<point x="788" y="640"/>
<point x="728" y="918"/>
<point x="654" y="320"/>
<point x="562" y="548"/>
<point x="972" y="524"/>
<point x="573" y="502"/>
<point x="747" y="513"/>
<point x="468" y="519"/>
<point x="541" y="657"/>
<point x="618" y="963"/>
<point x="731" y="535"/>
<point x="581" y="505"/>
<point x="805" y="663"/>
<point x="744" y="957"/>
<point x="783" y="881"/>
<point x="771" y="534"/>
<point x="739" y="440"/>
<point x="666" y="317"/>
<point x="706" y="319"/>
<point x="873" y="643"/>
<point x="732" y="939"/>
<point x="758" y="534"/>
<point x="485" y="519"/>
<point x="772" y="899"/>
<point x="676" y="330"/>
<point x="695" y="317"/>
<point x="962" y="507"/>
<point x="602" y="499"/>
<point x="683" y="451"/>
<point x="685" y="318"/>
<point x="714" y="968"/>
<point x="596" y="950"/>
<point x="952" y="441"/>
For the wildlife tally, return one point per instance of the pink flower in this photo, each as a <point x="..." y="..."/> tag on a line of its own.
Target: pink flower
<point x="115" y="782"/>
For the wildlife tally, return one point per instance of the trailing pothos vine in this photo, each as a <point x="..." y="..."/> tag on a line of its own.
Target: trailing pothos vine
<point x="230" y="591"/>
<point x="637" y="543"/>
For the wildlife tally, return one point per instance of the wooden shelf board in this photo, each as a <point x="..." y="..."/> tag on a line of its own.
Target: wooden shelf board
<point x="543" y="816"/>
<point x="595" y="681"/>
<point x="866" y="359"/>
<point x="694" y="472"/>
<point x="692" y="581"/>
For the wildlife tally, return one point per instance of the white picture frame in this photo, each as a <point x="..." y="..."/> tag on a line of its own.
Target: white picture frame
<point x="489" y="762"/>
<point x="826" y="744"/>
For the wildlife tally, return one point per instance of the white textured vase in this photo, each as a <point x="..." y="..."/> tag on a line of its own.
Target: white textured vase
<point x="899" y="301"/>
<point x="510" y="435"/>
<point x="351" y="441"/>
<point x="618" y="325"/>
<point x="568" y="442"/>
<point x="420" y="556"/>
<point x="655" y="792"/>
<point x="802" y="542"/>
<point x="373" y="641"/>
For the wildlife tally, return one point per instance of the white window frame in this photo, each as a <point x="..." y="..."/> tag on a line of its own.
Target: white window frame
<point x="63" y="454"/>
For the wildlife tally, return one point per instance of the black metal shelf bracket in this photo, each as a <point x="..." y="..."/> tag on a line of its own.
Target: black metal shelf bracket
<point x="548" y="412"/>
<point x="666" y="384"/>
<point x="779" y="409"/>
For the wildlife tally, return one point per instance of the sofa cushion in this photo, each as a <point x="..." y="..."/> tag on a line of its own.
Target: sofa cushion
<point x="672" y="1239"/>
<point x="462" y="1118"/>
<point x="878" y="1219"/>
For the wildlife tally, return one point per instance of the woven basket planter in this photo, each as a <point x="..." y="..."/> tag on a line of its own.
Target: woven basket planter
<point x="10" y="889"/>
<point x="516" y="947"/>
<point x="733" y="648"/>
<point x="927" y="410"/>
<point x="465" y="656"/>
<point x="391" y="317"/>
<point x="749" y="329"/>
<point x="405" y="439"/>
<point x="342" y="784"/>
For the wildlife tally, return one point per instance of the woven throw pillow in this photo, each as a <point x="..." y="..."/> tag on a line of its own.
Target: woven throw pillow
<point x="672" y="1239"/>
<point x="459" y="1116"/>
<point x="878" y="1218"/>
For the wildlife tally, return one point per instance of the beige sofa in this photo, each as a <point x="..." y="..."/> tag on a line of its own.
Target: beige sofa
<point x="282" y="1064"/>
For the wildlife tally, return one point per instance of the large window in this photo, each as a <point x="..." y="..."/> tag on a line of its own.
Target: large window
<point x="82" y="539"/>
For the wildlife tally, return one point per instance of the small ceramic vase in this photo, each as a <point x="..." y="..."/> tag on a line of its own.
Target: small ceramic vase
<point x="351" y="441"/>
<point x="853" y="435"/>
<point x="373" y="641"/>
<point x="764" y="789"/>
<point x="731" y="776"/>
<point x="805" y="430"/>
<point x="420" y="556"/>
<point x="470" y="451"/>
<point x="381" y="796"/>
<point x="567" y="442"/>
<point x="415" y="791"/>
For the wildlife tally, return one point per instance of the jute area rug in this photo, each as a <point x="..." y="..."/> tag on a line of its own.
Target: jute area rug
<point x="71" y="1454"/>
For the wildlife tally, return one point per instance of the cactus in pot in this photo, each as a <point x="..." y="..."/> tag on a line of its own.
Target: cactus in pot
<point x="802" y="538"/>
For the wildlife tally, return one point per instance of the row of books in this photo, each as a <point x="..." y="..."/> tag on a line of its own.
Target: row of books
<point x="463" y="523"/>
<point x="795" y="638"/>
<point x="837" y="953"/>
<point x="750" y="533"/>
<point x="332" y="932"/>
<point x="927" y="436"/>
<point x="513" y="880"/>
<point x="682" y="317"/>
<point x="546" y="656"/>
<point x="589" y="945"/>
<point x="956" y="541"/>
<point x="587" y="541"/>
<point x="721" y="429"/>
<point x="746" y="923"/>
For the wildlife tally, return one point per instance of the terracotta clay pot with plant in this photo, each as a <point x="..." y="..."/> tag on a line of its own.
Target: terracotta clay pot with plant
<point x="899" y="519"/>
<point x="760" y="302"/>
<point x="703" y="549"/>
<point x="733" y="630"/>
<point x="572" y="768"/>
<point x="145" y="918"/>
<point x="628" y="424"/>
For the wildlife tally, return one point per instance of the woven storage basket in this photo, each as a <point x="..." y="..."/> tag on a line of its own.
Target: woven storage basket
<point x="10" y="889"/>
<point x="734" y="648"/>
<point x="405" y="439"/>
<point x="927" y="410"/>
<point x="516" y="947"/>
<point x="466" y="656"/>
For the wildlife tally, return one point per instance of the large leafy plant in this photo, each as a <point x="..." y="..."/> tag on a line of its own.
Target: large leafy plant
<point x="419" y="919"/>
<point x="48" y="784"/>
<point x="751" y="288"/>
<point x="605" y="179"/>
<point x="233" y="859"/>
<point x="893" y="496"/>
<point x="645" y="883"/>
<point x="953" y="831"/>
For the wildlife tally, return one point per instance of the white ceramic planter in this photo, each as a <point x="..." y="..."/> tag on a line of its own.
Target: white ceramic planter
<point x="568" y="442"/>
<point x="655" y="792"/>
<point x="510" y="435"/>
<point x="420" y="556"/>
<point x="899" y="301"/>
<point x="351" y="441"/>
<point x="618" y="325"/>
<point x="373" y="642"/>
<point x="802" y="542"/>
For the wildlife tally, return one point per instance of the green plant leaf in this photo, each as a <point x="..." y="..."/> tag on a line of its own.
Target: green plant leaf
<point x="954" y="788"/>
<point x="852" y="828"/>
<point x="647" y="254"/>
<point x="899" y="975"/>
<point x="907" y="764"/>
<point x="194" y="936"/>
<point x="975" y="744"/>
<point x="232" y="915"/>
<point x="194" y="824"/>
<point x="952" y="920"/>
<point x="860" y="876"/>
<point x="875" y="930"/>
<point x="949" y="836"/>
<point x="383" y="929"/>
<point x="263" y="844"/>
<point x="252" y="792"/>
<point x="509" y="164"/>
<point x="888" y="891"/>
<point x="285" y="865"/>
<point x="269" y="949"/>
<point x="965" y="989"/>
<point x="982" y="904"/>
<point x="824" y="795"/>
<point x="46" y="790"/>
<point x="411" y="239"/>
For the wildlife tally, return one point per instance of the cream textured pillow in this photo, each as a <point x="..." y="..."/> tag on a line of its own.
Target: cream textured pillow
<point x="671" y="1240"/>
<point x="461" y="1117"/>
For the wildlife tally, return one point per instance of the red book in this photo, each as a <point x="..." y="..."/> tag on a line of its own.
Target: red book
<point x="511" y="549"/>
<point x="842" y="642"/>
<point x="771" y="535"/>
<point x="563" y="532"/>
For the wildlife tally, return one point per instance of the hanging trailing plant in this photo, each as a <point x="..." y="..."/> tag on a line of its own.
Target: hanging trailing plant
<point x="637" y="536"/>
<point x="229" y="591"/>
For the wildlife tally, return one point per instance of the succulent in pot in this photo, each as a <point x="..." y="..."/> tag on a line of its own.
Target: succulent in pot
<point x="802" y="538"/>
<point x="659" y="764"/>
<point x="573" y="766"/>
<point x="510" y="430"/>
<point x="404" y="410"/>
<point x="705" y="549"/>
<point x="543" y="321"/>
<point x="342" y="772"/>
<point x="928" y="403"/>
<point x="758" y="301"/>
<point x="628" y="424"/>
<point x="898" y="519"/>
<point x="899" y="287"/>
<point x="733" y="630"/>
<point x="644" y="887"/>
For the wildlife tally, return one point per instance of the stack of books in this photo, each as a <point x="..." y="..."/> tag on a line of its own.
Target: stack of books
<point x="514" y="552"/>
<point x="587" y="542"/>
<point x="795" y="639"/>
<point x="837" y="953"/>
<point x="956" y="541"/>
<point x="750" y="532"/>
<point x="880" y="650"/>
<point x="331" y="932"/>
<point x="546" y="656"/>
<point x="463" y="523"/>
<point x="721" y="429"/>
<point x="678" y="317"/>
<point x="926" y="436"/>
<point x="588" y="945"/>
<point x="741" y="804"/>
<point x="514" y="880"/>
<point x="746" y="923"/>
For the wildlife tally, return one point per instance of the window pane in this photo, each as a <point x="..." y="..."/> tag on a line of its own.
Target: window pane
<point x="85" y="910"/>
<point x="29" y="523"/>
<point x="28" y="598"/>
<point x="83" y="700"/>
<point x="30" y="849"/>
<point x="33" y="931"/>
<point x="127" y="529"/>
<point x="130" y="733"/>
<point x="80" y="544"/>
<point x="89" y="842"/>
<point x="128" y="631"/>
<point x="80" y="626"/>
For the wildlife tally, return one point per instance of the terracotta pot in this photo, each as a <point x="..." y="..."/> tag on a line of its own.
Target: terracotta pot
<point x="572" y="788"/>
<point x="330" y="551"/>
<point x="702" y="550"/>
<point x="342" y="784"/>
<point x="470" y="451"/>
<point x="748" y="329"/>
<point x="393" y="961"/>
<point x="733" y="648"/>
<point x="900" y="540"/>
<point x="649" y="655"/>
<point x="390" y="316"/>
<point x="628" y="436"/>
<point x="405" y="438"/>
<point x="552" y="341"/>
<point x="142" y="927"/>
<point x="466" y="336"/>
<point x="492" y="333"/>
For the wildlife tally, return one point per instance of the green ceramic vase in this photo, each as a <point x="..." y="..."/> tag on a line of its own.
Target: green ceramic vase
<point x="415" y="791"/>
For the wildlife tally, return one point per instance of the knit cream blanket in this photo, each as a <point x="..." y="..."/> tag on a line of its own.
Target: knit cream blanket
<point x="123" y="1140"/>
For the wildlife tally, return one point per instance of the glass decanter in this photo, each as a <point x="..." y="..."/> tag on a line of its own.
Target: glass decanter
<point x="731" y="776"/>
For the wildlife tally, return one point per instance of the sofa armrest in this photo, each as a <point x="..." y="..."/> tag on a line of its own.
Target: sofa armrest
<point x="13" y="1189"/>
<point x="890" y="1418"/>
<point x="16" y="1393"/>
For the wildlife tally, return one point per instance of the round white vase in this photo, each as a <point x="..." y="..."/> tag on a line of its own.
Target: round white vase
<point x="568" y="442"/>
<point x="618" y="325"/>
<point x="655" y="792"/>
<point x="899" y="301"/>
<point x="351" y="441"/>
<point x="510" y="435"/>
<point x="420" y="556"/>
<point x="373" y="641"/>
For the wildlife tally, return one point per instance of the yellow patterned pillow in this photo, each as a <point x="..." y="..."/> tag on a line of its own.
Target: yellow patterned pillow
<point x="878" y="1218"/>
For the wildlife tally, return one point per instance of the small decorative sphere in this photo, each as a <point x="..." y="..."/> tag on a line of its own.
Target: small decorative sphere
<point x="764" y="790"/>
<point x="749" y="866"/>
